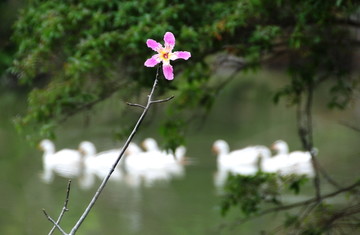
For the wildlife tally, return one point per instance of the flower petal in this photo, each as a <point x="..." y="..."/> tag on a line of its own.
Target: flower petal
<point x="180" y="55"/>
<point x="168" y="71"/>
<point x="154" y="60"/>
<point x="153" y="44"/>
<point x="169" y="40"/>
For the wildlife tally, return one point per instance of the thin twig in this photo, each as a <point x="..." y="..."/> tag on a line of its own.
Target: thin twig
<point x="310" y="141"/>
<point x="136" y="105"/>
<point x="328" y="177"/>
<point x="65" y="209"/>
<point x="103" y="184"/>
<point x="55" y="223"/>
<point x="304" y="122"/>
<point x="162" y="100"/>
<point x="152" y="102"/>
<point x="308" y="210"/>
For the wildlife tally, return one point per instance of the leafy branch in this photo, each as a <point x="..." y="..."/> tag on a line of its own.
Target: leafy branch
<point x="310" y="204"/>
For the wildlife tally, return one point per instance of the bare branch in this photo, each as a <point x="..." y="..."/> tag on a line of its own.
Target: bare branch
<point x="162" y="100"/>
<point x="308" y="209"/>
<point x="131" y="136"/>
<point x="65" y="209"/>
<point x="305" y="130"/>
<point x="55" y="223"/>
<point x="151" y="102"/>
<point x="136" y="105"/>
<point x="327" y="176"/>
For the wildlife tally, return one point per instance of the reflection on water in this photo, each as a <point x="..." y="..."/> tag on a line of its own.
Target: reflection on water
<point x="141" y="167"/>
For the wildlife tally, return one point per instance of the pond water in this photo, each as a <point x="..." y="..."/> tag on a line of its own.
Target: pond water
<point x="243" y="115"/>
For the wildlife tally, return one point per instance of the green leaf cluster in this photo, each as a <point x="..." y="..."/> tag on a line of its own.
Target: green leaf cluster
<point x="249" y="192"/>
<point x="75" y="54"/>
<point x="256" y="192"/>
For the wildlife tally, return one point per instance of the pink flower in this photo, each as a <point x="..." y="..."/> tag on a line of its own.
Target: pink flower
<point x="165" y="54"/>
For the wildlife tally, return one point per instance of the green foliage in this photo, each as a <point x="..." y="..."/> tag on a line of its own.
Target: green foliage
<point x="249" y="192"/>
<point x="253" y="193"/>
<point x="8" y="11"/>
<point x="291" y="220"/>
<point x="295" y="182"/>
<point x="89" y="49"/>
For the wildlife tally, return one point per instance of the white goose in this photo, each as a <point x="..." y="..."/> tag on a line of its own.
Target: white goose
<point x="139" y="161"/>
<point x="133" y="149"/>
<point x="142" y="167"/>
<point x="66" y="162"/>
<point x="110" y="154"/>
<point x="152" y="165"/>
<point x="150" y="145"/>
<point x="176" y="162"/>
<point x="241" y="157"/>
<point x="161" y="156"/>
<point x="296" y="162"/>
<point x="172" y="162"/>
<point x="279" y="161"/>
<point x="98" y="164"/>
<point x="243" y="161"/>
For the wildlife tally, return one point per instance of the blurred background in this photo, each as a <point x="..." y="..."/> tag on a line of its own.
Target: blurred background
<point x="62" y="83"/>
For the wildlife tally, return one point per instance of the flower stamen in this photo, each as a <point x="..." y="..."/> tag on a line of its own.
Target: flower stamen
<point x="166" y="55"/>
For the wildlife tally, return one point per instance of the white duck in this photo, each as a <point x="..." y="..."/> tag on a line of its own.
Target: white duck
<point x="172" y="162"/>
<point x="150" y="145"/>
<point x="66" y="162"/>
<point x="279" y="161"/>
<point x="143" y="161"/>
<point x="176" y="162"/>
<point x="243" y="161"/>
<point x="152" y="165"/>
<point x="98" y="164"/>
<point x="133" y="149"/>
<point x="161" y="156"/>
<point x="111" y="154"/>
<point x="241" y="157"/>
<point x="296" y="162"/>
<point x="136" y="163"/>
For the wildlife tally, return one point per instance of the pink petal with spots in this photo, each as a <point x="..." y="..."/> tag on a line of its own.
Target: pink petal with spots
<point x="152" y="61"/>
<point x="153" y="44"/>
<point x="168" y="71"/>
<point x="181" y="55"/>
<point x="169" y="40"/>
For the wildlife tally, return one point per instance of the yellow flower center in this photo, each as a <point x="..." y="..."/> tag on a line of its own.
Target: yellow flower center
<point x="165" y="55"/>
